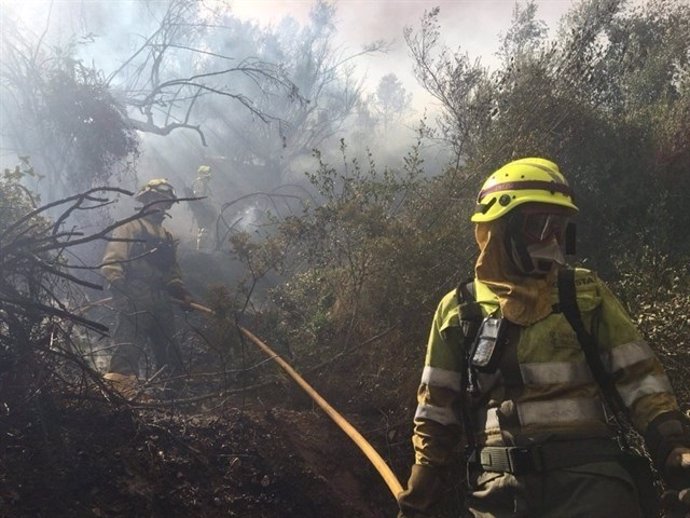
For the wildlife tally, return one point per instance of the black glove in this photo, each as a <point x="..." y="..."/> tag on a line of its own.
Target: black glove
<point x="677" y="474"/>
<point x="118" y="287"/>
<point x="423" y="489"/>
<point x="181" y="295"/>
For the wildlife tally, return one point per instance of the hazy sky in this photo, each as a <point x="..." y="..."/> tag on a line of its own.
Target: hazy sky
<point x="474" y="25"/>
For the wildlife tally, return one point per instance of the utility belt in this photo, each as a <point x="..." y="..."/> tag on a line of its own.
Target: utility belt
<point x="144" y="289"/>
<point x="523" y="460"/>
<point x="148" y="280"/>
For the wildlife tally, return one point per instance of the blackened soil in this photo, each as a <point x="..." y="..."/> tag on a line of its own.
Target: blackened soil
<point x="93" y="459"/>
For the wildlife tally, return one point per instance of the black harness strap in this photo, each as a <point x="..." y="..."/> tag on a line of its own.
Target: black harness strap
<point x="637" y="465"/>
<point x="568" y="305"/>
<point x="470" y="323"/>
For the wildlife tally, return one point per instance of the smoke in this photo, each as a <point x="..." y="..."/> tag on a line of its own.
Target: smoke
<point x="259" y="134"/>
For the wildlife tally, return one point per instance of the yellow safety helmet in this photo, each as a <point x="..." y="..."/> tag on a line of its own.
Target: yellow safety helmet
<point x="526" y="180"/>
<point x="158" y="187"/>
<point x="203" y="170"/>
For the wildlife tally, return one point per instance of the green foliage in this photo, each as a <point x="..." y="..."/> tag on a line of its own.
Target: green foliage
<point x="223" y="338"/>
<point x="15" y="200"/>
<point x="368" y="256"/>
<point x="16" y="222"/>
<point x="657" y="291"/>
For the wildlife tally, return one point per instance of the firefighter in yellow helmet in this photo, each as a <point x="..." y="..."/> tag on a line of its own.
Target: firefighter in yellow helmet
<point x="204" y="210"/>
<point x="141" y="268"/>
<point x="508" y="377"/>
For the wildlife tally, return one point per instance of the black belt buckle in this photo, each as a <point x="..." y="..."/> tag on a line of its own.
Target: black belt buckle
<point x="525" y="459"/>
<point x="518" y="460"/>
<point x="494" y="458"/>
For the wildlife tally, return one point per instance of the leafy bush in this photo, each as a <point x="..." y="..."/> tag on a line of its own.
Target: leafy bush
<point x="657" y="292"/>
<point x="373" y="252"/>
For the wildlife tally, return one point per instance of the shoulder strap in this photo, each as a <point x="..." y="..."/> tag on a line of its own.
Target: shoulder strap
<point x="471" y="315"/>
<point x="466" y="291"/>
<point x="470" y="322"/>
<point x="567" y="295"/>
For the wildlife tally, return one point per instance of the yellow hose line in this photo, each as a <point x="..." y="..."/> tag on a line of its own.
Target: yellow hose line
<point x="368" y="450"/>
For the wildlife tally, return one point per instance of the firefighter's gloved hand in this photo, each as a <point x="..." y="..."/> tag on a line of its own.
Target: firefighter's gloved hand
<point x="182" y="296"/>
<point x="187" y="302"/>
<point x="423" y="489"/>
<point x="676" y="504"/>
<point x="677" y="475"/>
<point x="118" y="287"/>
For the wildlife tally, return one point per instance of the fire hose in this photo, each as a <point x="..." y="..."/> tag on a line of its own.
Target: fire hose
<point x="366" y="448"/>
<point x="383" y="469"/>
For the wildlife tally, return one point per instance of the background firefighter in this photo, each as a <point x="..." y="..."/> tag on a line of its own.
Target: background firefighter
<point x="141" y="268"/>
<point x="516" y="388"/>
<point x="204" y="211"/>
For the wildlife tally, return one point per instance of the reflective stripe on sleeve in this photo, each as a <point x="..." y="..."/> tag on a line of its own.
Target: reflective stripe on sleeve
<point x="630" y="354"/>
<point x="653" y="384"/>
<point x="436" y="377"/>
<point x="539" y="373"/>
<point x="560" y="411"/>
<point x="439" y="414"/>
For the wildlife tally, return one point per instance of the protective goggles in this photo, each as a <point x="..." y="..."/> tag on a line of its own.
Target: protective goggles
<point x="538" y="227"/>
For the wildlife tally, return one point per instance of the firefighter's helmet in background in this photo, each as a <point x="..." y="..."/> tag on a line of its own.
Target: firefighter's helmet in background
<point x="203" y="171"/>
<point x="201" y="184"/>
<point x="156" y="189"/>
<point x="535" y="180"/>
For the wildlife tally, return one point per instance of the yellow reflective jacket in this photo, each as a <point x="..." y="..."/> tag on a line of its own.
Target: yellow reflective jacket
<point x="144" y="256"/>
<point x="543" y="388"/>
